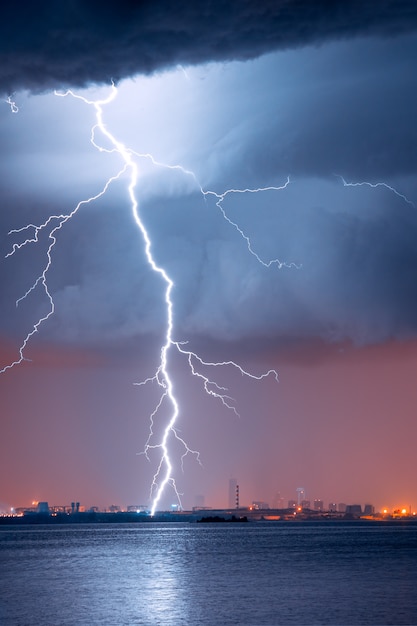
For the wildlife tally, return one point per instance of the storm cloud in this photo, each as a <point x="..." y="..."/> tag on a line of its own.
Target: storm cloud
<point x="335" y="101"/>
<point x="43" y="46"/>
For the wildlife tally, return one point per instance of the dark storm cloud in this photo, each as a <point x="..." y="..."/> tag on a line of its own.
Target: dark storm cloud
<point x="44" y="45"/>
<point x="354" y="116"/>
<point x="358" y="281"/>
<point x="345" y="107"/>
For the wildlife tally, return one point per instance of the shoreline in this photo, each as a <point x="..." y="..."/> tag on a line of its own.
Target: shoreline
<point x="122" y="517"/>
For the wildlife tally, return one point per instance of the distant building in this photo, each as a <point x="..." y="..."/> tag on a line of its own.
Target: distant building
<point x="43" y="507"/>
<point x="354" y="509"/>
<point x="332" y="507"/>
<point x="318" y="505"/>
<point x="58" y="508"/>
<point x="305" y="504"/>
<point x="341" y="507"/>
<point x="292" y="504"/>
<point x="301" y="494"/>
<point x="20" y="510"/>
<point x="137" y="508"/>
<point x="368" y="509"/>
<point x="258" y="504"/>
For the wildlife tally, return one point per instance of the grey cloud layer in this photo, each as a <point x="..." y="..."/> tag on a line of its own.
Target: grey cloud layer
<point x="45" y="45"/>
<point x="357" y="280"/>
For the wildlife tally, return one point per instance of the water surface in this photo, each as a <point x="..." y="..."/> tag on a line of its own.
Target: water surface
<point x="258" y="574"/>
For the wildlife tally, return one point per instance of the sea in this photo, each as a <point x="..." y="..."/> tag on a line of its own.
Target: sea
<point x="256" y="573"/>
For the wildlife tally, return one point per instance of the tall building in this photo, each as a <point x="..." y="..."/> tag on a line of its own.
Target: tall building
<point x="354" y="509"/>
<point x="301" y="494"/>
<point x="233" y="491"/>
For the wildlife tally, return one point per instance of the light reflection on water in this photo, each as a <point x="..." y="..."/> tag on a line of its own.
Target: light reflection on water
<point x="194" y="574"/>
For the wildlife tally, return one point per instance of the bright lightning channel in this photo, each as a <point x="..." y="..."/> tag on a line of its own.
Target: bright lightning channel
<point x="164" y="472"/>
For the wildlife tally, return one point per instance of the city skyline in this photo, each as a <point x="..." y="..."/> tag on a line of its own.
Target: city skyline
<point x="292" y="507"/>
<point x="311" y="272"/>
<point x="300" y="499"/>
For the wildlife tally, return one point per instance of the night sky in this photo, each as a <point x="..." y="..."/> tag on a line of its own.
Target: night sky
<point x="241" y="97"/>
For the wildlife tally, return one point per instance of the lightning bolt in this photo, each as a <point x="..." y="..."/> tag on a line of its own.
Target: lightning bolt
<point x="13" y="106"/>
<point x="374" y="186"/>
<point x="164" y="474"/>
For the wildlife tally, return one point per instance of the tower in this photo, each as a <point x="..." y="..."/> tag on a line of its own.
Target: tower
<point x="301" y="494"/>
